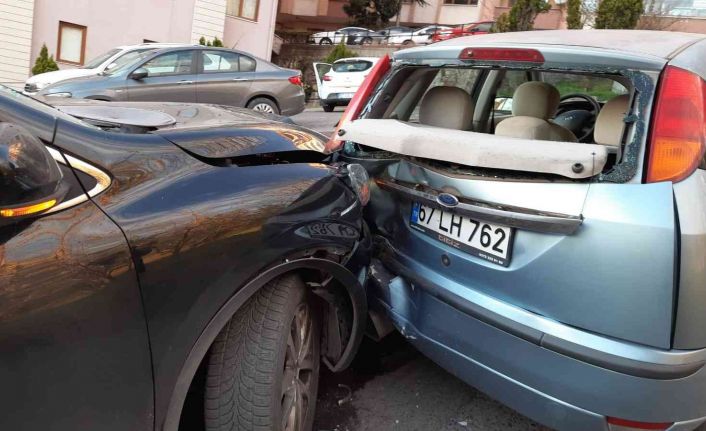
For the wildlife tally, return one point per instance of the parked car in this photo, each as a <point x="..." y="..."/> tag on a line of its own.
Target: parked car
<point x="153" y="252"/>
<point x="395" y="30"/>
<point x="552" y="255"/>
<point x="472" y="29"/>
<point x="420" y="36"/>
<point x="348" y="35"/>
<point x="193" y="74"/>
<point x="112" y="59"/>
<point x="337" y="83"/>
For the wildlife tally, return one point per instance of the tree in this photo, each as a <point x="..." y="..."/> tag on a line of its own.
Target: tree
<point x="619" y="14"/>
<point x="375" y="13"/>
<point x="521" y="16"/>
<point x="338" y="52"/>
<point x="45" y="62"/>
<point x="573" y="15"/>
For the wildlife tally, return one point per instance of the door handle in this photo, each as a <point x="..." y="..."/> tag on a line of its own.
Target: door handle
<point x="184" y="82"/>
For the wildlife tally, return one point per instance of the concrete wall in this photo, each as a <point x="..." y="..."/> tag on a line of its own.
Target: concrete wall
<point x="15" y="39"/>
<point x="112" y="23"/>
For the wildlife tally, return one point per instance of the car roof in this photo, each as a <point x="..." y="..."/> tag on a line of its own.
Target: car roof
<point x="343" y="60"/>
<point x="154" y="45"/>
<point x="662" y="44"/>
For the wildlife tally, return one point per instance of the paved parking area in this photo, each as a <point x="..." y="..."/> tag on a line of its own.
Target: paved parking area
<point x="317" y="119"/>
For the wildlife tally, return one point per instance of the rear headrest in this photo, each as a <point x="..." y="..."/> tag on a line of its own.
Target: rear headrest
<point x="611" y="121"/>
<point x="535" y="99"/>
<point x="448" y="107"/>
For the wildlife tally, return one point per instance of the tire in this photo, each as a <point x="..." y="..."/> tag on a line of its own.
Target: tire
<point x="328" y="107"/>
<point x="252" y="371"/>
<point x="262" y="104"/>
<point x="408" y="42"/>
<point x="325" y="41"/>
<point x="367" y="41"/>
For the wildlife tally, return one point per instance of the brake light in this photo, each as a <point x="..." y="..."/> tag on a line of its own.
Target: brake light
<point x="678" y="133"/>
<point x="639" y="425"/>
<point x="502" y="54"/>
<point x="296" y="80"/>
<point x="358" y="101"/>
<point x="326" y="78"/>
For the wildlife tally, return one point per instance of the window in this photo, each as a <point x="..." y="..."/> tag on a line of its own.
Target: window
<point x="72" y="43"/>
<point x="243" y="8"/>
<point x="101" y="59"/>
<point x="464" y="79"/>
<point x="219" y="61"/>
<point x="463" y="2"/>
<point x="174" y="63"/>
<point x="600" y="88"/>
<point x="352" y="66"/>
<point x="506" y="90"/>
<point x="127" y="60"/>
<point x="247" y="64"/>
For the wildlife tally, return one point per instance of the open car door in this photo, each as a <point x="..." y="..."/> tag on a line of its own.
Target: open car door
<point x="320" y="69"/>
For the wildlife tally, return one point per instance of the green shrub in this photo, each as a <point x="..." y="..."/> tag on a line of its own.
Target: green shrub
<point x="45" y="62"/>
<point x="338" y="52"/>
<point x="216" y="42"/>
<point x="573" y="16"/>
<point x="619" y="14"/>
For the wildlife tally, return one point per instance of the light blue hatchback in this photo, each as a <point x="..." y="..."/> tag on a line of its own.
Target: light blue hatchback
<point x="539" y="209"/>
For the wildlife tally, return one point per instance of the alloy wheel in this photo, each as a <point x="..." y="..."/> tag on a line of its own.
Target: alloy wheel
<point x="263" y="107"/>
<point x="298" y="371"/>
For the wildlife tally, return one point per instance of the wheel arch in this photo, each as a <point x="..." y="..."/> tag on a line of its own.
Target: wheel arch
<point x="200" y="348"/>
<point x="264" y="96"/>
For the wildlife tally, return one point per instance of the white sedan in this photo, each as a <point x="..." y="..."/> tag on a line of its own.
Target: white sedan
<point x="420" y="36"/>
<point x="106" y="61"/>
<point x="349" y="35"/>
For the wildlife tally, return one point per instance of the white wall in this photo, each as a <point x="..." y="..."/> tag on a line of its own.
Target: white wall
<point x="250" y="36"/>
<point x="16" y="20"/>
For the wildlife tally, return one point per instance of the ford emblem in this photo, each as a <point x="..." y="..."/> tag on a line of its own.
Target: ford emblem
<point x="447" y="200"/>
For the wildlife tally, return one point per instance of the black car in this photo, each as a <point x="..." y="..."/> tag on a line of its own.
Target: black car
<point x="151" y="253"/>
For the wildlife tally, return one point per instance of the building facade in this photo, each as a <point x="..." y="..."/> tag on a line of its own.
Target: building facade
<point x="75" y="31"/>
<point x="318" y="15"/>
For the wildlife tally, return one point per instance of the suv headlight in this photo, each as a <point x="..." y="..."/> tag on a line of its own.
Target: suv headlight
<point x="60" y="94"/>
<point x="360" y="182"/>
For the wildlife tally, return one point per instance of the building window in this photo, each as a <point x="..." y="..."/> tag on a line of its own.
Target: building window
<point x="72" y="43"/>
<point x="463" y="2"/>
<point x="243" y="8"/>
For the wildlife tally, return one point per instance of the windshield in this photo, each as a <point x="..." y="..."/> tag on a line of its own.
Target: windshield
<point x="128" y="60"/>
<point x="100" y="59"/>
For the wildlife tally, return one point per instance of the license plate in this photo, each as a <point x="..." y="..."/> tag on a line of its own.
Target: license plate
<point x="347" y="95"/>
<point x="484" y="240"/>
<point x="332" y="230"/>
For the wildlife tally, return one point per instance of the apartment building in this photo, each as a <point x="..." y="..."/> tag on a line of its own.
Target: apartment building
<point x="317" y="15"/>
<point x="75" y="31"/>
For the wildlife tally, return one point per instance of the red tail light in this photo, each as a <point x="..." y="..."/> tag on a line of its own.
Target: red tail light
<point x="639" y="425"/>
<point x="358" y="101"/>
<point x="678" y="134"/>
<point x="502" y="54"/>
<point x="326" y="78"/>
<point x="296" y="80"/>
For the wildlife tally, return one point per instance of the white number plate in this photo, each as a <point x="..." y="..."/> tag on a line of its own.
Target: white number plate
<point x="347" y="95"/>
<point x="487" y="241"/>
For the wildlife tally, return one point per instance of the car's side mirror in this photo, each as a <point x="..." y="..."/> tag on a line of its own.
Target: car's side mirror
<point x="139" y="73"/>
<point x="30" y="179"/>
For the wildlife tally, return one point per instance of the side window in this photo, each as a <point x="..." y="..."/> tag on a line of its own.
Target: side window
<point x="247" y="64"/>
<point x="173" y="63"/>
<point x="506" y="90"/>
<point x="461" y="78"/>
<point x="219" y="61"/>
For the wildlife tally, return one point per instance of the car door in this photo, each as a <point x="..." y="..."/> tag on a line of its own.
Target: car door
<point x="321" y="69"/>
<point x="220" y="80"/>
<point x="171" y="78"/>
<point x="74" y="349"/>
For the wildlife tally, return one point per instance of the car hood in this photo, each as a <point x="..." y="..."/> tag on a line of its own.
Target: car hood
<point x="79" y="83"/>
<point x="60" y="75"/>
<point x="207" y="131"/>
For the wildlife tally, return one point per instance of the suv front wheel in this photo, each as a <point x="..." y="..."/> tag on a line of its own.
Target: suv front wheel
<point x="263" y="370"/>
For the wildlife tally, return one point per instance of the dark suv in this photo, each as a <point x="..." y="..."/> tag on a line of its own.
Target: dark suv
<point x="150" y="251"/>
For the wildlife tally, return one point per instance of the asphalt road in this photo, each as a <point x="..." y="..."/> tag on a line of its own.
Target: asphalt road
<point x="317" y="119"/>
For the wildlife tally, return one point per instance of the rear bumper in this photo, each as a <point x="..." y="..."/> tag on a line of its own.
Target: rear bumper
<point x="293" y="104"/>
<point x="333" y="99"/>
<point x="559" y="383"/>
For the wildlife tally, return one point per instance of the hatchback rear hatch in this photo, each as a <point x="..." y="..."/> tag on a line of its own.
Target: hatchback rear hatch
<point x="568" y="230"/>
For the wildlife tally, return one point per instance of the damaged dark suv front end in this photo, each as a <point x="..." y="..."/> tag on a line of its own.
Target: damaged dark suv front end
<point x="177" y="217"/>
